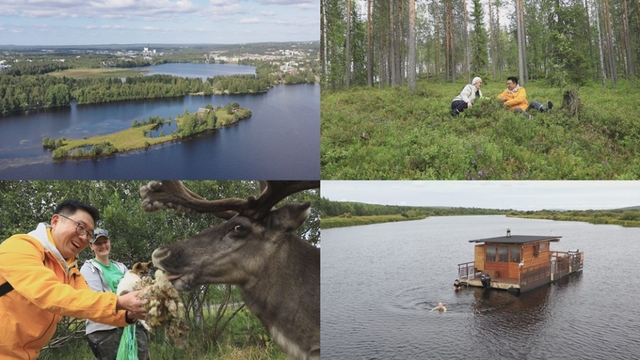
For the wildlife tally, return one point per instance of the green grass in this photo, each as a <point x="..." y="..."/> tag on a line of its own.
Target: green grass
<point x="340" y="221"/>
<point x="92" y="73"/>
<point x="245" y="338"/>
<point x="411" y="135"/>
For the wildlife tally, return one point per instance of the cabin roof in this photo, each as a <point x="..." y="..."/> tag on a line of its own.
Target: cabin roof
<point x="517" y="239"/>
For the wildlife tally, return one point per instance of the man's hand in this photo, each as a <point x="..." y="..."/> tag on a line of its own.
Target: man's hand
<point x="132" y="304"/>
<point x="469" y="104"/>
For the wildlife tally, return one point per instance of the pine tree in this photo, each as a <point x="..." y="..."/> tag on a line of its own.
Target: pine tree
<point x="479" y="40"/>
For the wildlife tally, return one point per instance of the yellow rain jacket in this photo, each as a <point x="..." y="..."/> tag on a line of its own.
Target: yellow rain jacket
<point x="516" y="98"/>
<point x="45" y="288"/>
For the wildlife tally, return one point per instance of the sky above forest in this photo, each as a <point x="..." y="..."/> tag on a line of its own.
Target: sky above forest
<point x="517" y="195"/>
<point x="87" y="22"/>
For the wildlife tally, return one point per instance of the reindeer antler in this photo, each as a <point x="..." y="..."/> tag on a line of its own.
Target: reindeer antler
<point x="174" y="195"/>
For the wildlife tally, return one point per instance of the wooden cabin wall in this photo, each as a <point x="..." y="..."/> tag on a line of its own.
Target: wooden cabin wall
<point x="542" y="259"/>
<point x="479" y="257"/>
<point x="502" y="268"/>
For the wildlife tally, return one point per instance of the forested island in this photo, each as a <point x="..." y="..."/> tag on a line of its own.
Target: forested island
<point x="147" y="133"/>
<point x="32" y="79"/>
<point x="341" y="214"/>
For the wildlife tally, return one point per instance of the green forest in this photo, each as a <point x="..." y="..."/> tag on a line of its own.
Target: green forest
<point x="340" y="213"/>
<point x="135" y="234"/>
<point x="392" y="68"/>
<point x="42" y="81"/>
<point x="623" y="217"/>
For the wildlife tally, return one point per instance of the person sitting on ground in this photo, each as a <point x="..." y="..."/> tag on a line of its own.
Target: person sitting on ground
<point x="467" y="96"/>
<point x="457" y="285"/>
<point x="440" y="307"/>
<point x="515" y="97"/>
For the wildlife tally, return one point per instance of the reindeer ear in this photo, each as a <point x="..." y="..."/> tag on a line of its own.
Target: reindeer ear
<point x="289" y="217"/>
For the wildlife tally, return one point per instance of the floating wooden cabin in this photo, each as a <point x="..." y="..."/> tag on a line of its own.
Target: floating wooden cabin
<point x="518" y="263"/>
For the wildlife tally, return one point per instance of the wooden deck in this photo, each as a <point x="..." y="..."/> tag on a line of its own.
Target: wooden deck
<point x="497" y="283"/>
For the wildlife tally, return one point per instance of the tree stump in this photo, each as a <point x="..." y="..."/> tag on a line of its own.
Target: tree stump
<point x="571" y="102"/>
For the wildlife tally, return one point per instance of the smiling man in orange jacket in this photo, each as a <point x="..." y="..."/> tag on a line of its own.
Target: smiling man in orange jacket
<point x="40" y="283"/>
<point x="515" y="97"/>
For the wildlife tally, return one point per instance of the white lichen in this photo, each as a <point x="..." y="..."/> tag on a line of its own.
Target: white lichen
<point x="164" y="306"/>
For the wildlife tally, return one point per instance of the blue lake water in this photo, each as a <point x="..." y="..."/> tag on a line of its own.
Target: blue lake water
<point x="379" y="283"/>
<point x="281" y="140"/>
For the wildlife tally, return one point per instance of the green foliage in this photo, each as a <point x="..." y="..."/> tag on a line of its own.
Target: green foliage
<point x="348" y="210"/>
<point x="479" y="40"/>
<point x="393" y="134"/>
<point x="629" y="218"/>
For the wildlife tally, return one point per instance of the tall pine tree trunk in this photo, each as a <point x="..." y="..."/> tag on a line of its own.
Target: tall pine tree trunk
<point x="347" y="51"/>
<point x="412" y="46"/>
<point x="492" y="42"/>
<point x="603" y="72"/>
<point x="610" y="51"/>
<point x="466" y="40"/>
<point x="625" y="28"/>
<point x="392" y="45"/>
<point x="586" y="9"/>
<point x="369" y="46"/>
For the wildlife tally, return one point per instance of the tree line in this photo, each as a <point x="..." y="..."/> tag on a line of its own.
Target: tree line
<point x="339" y="208"/>
<point x="391" y="42"/>
<point x="624" y="217"/>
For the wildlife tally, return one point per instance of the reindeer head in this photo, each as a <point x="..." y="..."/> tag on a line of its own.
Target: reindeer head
<point x="233" y="252"/>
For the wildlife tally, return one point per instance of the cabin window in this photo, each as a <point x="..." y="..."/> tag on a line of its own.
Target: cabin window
<point x="491" y="253"/>
<point x="543" y="246"/>
<point x="515" y="253"/>
<point x="503" y="253"/>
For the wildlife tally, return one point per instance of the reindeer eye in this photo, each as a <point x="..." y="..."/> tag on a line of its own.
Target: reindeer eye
<point x="238" y="228"/>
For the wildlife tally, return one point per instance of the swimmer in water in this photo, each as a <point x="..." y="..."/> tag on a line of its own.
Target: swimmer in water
<point x="440" y="307"/>
<point x="457" y="285"/>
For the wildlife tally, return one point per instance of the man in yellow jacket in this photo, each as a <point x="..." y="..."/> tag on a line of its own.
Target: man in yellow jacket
<point x="40" y="283"/>
<point x="515" y="97"/>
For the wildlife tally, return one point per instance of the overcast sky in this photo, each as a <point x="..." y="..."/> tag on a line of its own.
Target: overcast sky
<point x="88" y="22"/>
<point x="517" y="195"/>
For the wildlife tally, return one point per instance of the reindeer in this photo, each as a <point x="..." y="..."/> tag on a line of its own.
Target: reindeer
<point x="276" y="272"/>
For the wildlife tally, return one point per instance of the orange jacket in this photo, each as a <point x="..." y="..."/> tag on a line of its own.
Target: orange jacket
<point x="44" y="291"/>
<point x="515" y="99"/>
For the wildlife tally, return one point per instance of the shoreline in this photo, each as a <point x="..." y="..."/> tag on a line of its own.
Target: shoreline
<point x="135" y="139"/>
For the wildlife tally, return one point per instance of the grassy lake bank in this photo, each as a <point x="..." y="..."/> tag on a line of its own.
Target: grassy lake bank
<point x="339" y="221"/>
<point x="138" y="136"/>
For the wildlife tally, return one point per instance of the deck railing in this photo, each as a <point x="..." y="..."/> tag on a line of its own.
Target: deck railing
<point x="534" y="273"/>
<point x="467" y="270"/>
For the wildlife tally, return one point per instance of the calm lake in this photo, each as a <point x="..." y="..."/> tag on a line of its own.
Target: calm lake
<point x="380" y="281"/>
<point x="281" y="140"/>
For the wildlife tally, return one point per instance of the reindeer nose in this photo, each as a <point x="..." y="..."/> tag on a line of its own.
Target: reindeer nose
<point x="159" y="255"/>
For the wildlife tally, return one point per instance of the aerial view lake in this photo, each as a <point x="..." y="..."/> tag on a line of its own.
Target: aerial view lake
<point x="379" y="283"/>
<point x="281" y="140"/>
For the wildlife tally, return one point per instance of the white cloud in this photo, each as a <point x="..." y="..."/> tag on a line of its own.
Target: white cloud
<point x="254" y="20"/>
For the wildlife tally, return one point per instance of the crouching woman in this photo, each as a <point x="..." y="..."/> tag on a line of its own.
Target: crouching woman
<point x="467" y="96"/>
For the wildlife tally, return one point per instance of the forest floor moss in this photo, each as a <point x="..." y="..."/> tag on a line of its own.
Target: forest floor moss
<point x="370" y="133"/>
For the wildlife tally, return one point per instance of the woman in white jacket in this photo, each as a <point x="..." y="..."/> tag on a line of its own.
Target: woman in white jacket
<point x="468" y="94"/>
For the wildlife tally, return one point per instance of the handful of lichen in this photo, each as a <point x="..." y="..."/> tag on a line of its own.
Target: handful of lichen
<point x="164" y="306"/>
